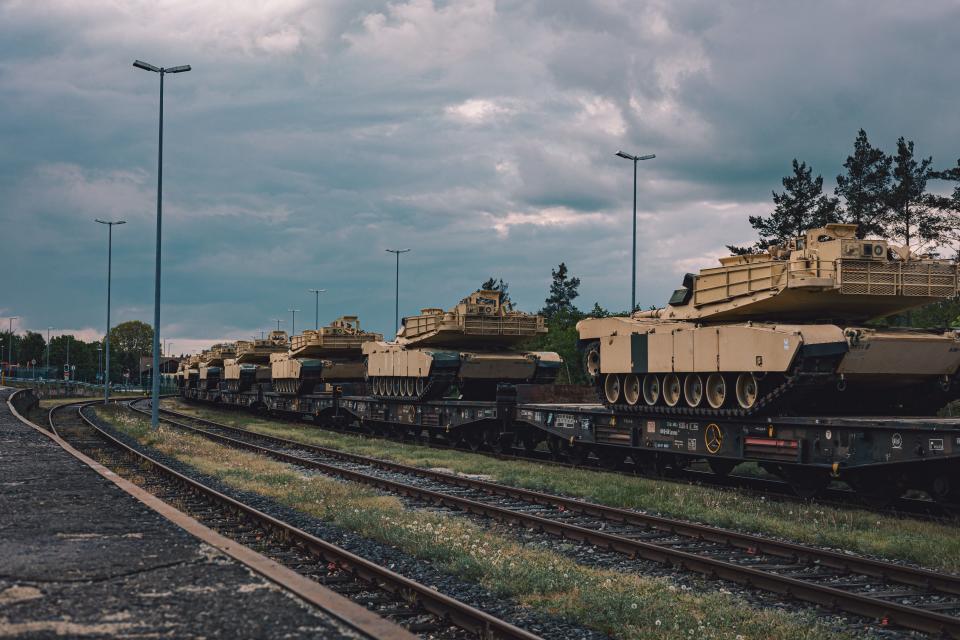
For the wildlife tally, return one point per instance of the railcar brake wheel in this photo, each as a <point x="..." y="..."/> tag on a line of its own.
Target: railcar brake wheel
<point x="631" y="389"/>
<point x="651" y="389"/>
<point x="591" y="360"/>
<point x="611" y="388"/>
<point x="748" y="390"/>
<point x="671" y="389"/>
<point x="692" y="389"/>
<point x="716" y="390"/>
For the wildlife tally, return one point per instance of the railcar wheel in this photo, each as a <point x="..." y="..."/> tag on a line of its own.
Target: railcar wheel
<point x="748" y="390"/>
<point x="806" y="483"/>
<point x="716" y="390"/>
<point x="631" y="389"/>
<point x="591" y="360"/>
<point x="942" y="487"/>
<point x="692" y="389"/>
<point x="721" y="467"/>
<point x="611" y="388"/>
<point x="609" y="460"/>
<point x="651" y="389"/>
<point x="671" y="389"/>
<point x="875" y="488"/>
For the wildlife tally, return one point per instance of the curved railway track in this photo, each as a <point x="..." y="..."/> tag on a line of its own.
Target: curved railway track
<point x="891" y="593"/>
<point x="419" y="608"/>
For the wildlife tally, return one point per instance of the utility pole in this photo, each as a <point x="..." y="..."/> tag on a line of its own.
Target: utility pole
<point x="293" y="325"/>
<point x="316" y="319"/>
<point x="633" y="270"/>
<point x="10" y="346"/>
<point x="396" y="304"/>
<point x="48" y="350"/>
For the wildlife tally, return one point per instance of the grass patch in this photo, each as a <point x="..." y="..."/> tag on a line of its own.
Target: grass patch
<point x="624" y="605"/>
<point x="930" y="544"/>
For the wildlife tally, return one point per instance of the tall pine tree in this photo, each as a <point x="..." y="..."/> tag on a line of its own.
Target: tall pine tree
<point x="949" y="206"/>
<point x="563" y="290"/>
<point x="865" y="187"/>
<point x="497" y="284"/>
<point x="914" y="219"/>
<point x="802" y="205"/>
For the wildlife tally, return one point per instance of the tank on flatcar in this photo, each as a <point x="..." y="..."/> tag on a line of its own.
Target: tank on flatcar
<point x="211" y="364"/>
<point x="252" y="362"/>
<point x="330" y="354"/>
<point x="468" y="346"/>
<point x="784" y="332"/>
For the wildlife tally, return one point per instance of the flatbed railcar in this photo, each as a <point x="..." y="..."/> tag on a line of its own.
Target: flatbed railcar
<point x="879" y="457"/>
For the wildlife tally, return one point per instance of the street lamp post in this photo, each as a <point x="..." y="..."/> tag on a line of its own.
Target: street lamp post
<point x="633" y="270"/>
<point x="278" y="321"/>
<point x="155" y="396"/>
<point x="396" y="304"/>
<point x="316" y="318"/>
<point x="10" y="346"/>
<point x="106" y="377"/>
<point x="49" y="329"/>
<point x="100" y="363"/>
<point x="293" y="325"/>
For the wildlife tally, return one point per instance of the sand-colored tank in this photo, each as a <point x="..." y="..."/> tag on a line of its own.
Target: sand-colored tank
<point x="467" y="346"/>
<point x="252" y="362"/>
<point x="191" y="372"/>
<point x="211" y="364"/>
<point x="330" y="354"/>
<point x="784" y="332"/>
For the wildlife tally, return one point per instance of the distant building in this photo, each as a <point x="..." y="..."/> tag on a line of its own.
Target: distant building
<point x="167" y="365"/>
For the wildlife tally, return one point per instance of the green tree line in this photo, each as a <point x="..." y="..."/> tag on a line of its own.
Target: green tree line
<point x="128" y="342"/>
<point x="885" y="195"/>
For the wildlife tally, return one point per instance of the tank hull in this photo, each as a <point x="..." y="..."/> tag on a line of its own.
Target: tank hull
<point x="394" y="370"/>
<point x="683" y="368"/>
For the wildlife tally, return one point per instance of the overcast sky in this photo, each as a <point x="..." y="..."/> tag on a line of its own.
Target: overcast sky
<point x="311" y="136"/>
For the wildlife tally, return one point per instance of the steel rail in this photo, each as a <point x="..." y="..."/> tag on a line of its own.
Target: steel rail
<point x="824" y="595"/>
<point x="445" y="607"/>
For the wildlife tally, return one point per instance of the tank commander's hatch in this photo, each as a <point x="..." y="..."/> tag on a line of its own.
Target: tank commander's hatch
<point x="682" y="295"/>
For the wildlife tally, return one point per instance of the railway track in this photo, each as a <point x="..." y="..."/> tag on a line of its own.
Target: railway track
<point x="890" y="593"/>
<point x="418" y="608"/>
<point x="753" y="485"/>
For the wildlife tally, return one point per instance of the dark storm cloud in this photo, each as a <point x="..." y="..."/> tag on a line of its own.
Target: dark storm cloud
<point x="312" y="136"/>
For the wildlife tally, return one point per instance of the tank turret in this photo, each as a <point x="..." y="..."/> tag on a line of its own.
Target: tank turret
<point x="467" y="347"/>
<point x="781" y="332"/>
<point x="828" y="273"/>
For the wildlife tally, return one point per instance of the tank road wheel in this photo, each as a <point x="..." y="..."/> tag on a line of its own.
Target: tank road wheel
<point x="395" y="386"/>
<point x="611" y="388"/>
<point x="692" y="389"/>
<point x="406" y="387"/>
<point x="716" y="390"/>
<point x="671" y="389"/>
<point x="591" y="360"/>
<point x="631" y="389"/>
<point x="419" y="387"/>
<point x="410" y="387"/>
<point x="748" y="390"/>
<point x="651" y="389"/>
<point x="372" y="385"/>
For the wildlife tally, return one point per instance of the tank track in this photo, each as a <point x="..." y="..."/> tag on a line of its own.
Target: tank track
<point x="769" y="401"/>
<point x="437" y="385"/>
